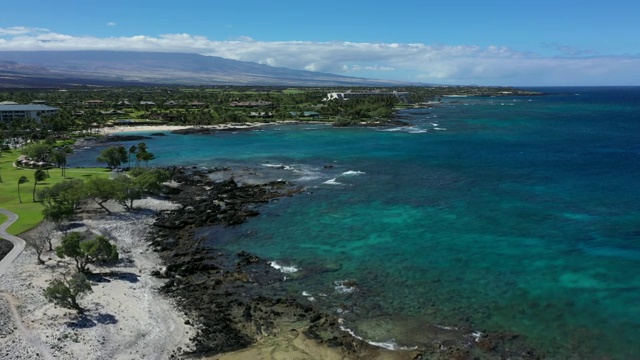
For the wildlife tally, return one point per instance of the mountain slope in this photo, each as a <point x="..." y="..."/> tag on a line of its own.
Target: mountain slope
<point x="166" y="68"/>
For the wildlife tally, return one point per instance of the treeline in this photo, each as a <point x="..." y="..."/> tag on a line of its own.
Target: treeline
<point x="61" y="201"/>
<point x="85" y="108"/>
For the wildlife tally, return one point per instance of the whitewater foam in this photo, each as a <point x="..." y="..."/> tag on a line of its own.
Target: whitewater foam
<point x="332" y="182"/>
<point x="344" y="286"/>
<point x="389" y="345"/>
<point x="278" y="166"/>
<point x="407" y="129"/>
<point x="352" y="173"/>
<point x="283" y="268"/>
<point x="477" y="335"/>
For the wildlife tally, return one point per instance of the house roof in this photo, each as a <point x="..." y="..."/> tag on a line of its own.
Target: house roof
<point x="27" y="107"/>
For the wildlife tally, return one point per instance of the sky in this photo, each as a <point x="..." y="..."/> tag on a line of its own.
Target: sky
<point x="490" y="42"/>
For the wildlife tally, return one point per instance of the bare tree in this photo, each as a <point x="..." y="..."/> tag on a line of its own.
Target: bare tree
<point x="47" y="228"/>
<point x="39" y="238"/>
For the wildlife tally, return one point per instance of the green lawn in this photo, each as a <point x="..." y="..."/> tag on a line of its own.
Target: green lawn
<point x="30" y="212"/>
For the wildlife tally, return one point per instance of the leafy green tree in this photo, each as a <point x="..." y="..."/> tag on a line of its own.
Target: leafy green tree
<point x="59" y="213"/>
<point x="100" y="191"/>
<point x="23" y="179"/>
<point x="126" y="191"/>
<point x="38" y="151"/>
<point x="38" y="175"/>
<point x="139" y="182"/>
<point x="61" y="201"/>
<point x="96" y="250"/>
<point x="150" y="180"/>
<point x="69" y="192"/>
<point x="113" y="156"/>
<point x="66" y="292"/>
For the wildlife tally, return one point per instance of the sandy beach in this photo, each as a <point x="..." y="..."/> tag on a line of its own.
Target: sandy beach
<point x="126" y="317"/>
<point x="230" y="126"/>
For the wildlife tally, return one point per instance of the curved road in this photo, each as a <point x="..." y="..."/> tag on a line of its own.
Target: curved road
<point x="18" y="247"/>
<point x="18" y="244"/>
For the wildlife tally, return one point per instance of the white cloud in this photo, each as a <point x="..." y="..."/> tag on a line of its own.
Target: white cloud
<point x="462" y="64"/>
<point x="20" y="30"/>
<point x="111" y="23"/>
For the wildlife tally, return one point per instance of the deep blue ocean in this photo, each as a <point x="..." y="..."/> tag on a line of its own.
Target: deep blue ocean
<point x="512" y="214"/>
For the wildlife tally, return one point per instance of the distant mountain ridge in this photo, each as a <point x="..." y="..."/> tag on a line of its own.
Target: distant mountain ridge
<point x="159" y="68"/>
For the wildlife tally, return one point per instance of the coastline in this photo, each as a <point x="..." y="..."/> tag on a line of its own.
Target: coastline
<point x="239" y="301"/>
<point x="206" y="281"/>
<point x="133" y="312"/>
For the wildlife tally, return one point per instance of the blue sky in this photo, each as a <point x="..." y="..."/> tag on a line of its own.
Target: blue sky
<point x="463" y="42"/>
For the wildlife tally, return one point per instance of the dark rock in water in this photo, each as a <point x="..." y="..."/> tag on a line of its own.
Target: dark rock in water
<point x="158" y="134"/>
<point x="247" y="259"/>
<point x="194" y="130"/>
<point x="121" y="138"/>
<point x="208" y="130"/>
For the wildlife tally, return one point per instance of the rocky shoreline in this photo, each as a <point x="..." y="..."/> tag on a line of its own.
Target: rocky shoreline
<point x="222" y="292"/>
<point x="225" y="294"/>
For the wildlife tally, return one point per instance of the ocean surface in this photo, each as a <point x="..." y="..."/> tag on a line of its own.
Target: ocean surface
<point x="510" y="214"/>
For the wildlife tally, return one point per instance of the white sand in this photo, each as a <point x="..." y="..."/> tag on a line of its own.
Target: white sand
<point x="126" y="317"/>
<point x="160" y="128"/>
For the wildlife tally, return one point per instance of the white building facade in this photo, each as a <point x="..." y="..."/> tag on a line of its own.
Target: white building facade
<point x="12" y="112"/>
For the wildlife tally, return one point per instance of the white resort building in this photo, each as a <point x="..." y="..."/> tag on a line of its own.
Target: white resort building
<point x="10" y="112"/>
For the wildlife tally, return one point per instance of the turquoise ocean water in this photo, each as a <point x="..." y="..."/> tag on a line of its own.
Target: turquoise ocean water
<point x="499" y="214"/>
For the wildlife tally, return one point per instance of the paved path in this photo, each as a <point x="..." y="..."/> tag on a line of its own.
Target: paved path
<point x="18" y="244"/>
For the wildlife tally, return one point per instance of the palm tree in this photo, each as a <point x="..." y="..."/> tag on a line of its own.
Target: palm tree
<point x="132" y="150"/>
<point x="39" y="175"/>
<point x="23" y="179"/>
<point x="142" y="149"/>
<point x="59" y="157"/>
<point x="146" y="157"/>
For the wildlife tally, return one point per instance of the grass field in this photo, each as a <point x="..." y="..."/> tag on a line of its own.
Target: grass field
<point x="29" y="212"/>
